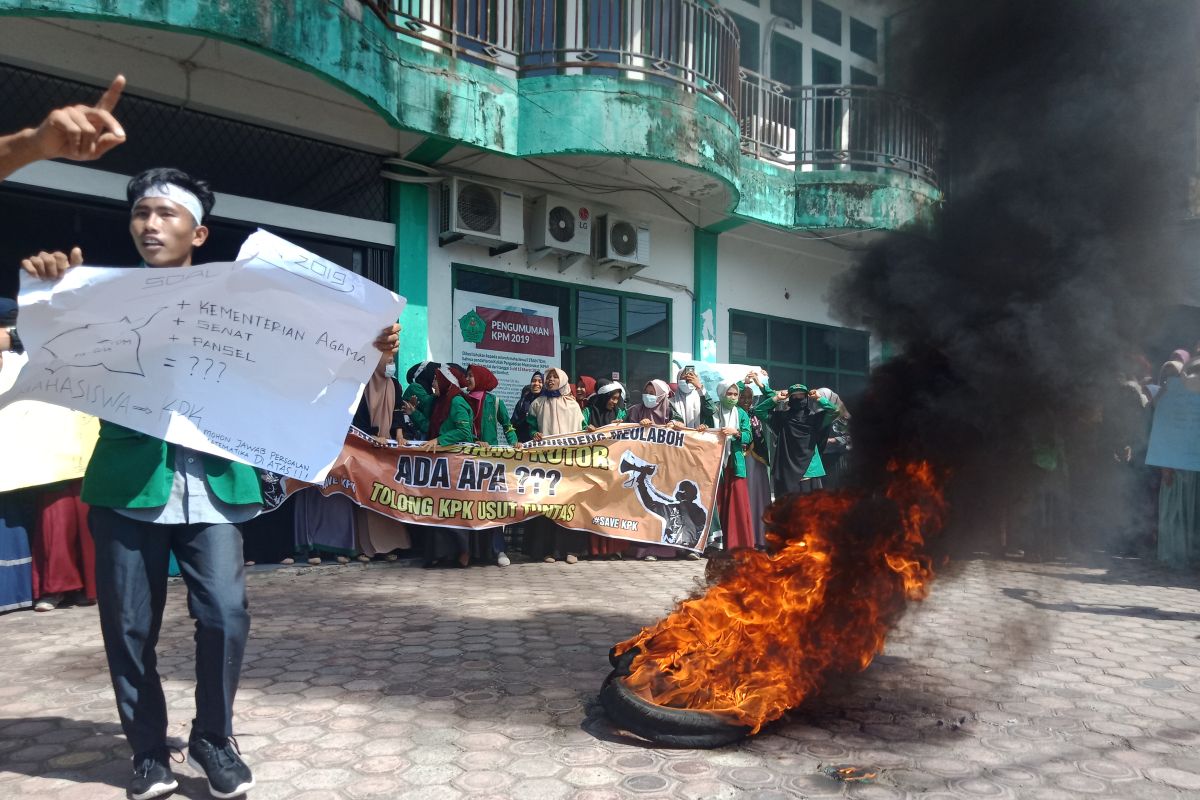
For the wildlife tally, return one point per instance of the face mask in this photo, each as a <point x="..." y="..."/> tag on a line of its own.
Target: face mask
<point x="729" y="402"/>
<point x="389" y="370"/>
<point x="649" y="400"/>
<point x="796" y="402"/>
<point x="686" y="388"/>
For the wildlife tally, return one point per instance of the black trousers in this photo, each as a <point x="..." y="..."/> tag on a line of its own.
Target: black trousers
<point x="131" y="575"/>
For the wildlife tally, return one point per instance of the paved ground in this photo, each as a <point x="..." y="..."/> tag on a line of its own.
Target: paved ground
<point x="1011" y="681"/>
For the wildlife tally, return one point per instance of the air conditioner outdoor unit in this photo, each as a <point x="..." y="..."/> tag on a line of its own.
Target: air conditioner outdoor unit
<point x="561" y="225"/>
<point x="482" y="214"/>
<point x="621" y="242"/>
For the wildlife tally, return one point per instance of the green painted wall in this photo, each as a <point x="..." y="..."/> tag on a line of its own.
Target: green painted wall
<point x="454" y="101"/>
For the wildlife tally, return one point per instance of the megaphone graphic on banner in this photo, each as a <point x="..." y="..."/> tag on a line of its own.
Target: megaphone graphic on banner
<point x="635" y="467"/>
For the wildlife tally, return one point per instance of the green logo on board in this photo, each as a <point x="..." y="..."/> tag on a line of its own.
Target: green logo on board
<point x="473" y="327"/>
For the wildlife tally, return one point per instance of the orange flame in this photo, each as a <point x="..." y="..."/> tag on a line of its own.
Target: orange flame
<point x="838" y="574"/>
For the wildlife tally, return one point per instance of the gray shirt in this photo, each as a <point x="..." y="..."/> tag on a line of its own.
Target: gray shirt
<point x="192" y="501"/>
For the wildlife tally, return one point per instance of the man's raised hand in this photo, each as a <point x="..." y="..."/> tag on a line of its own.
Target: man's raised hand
<point x="82" y="133"/>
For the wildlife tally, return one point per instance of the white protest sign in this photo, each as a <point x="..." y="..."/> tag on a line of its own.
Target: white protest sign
<point x="1175" y="433"/>
<point x="512" y="338"/>
<point x="260" y="360"/>
<point x="712" y="374"/>
<point x="53" y="443"/>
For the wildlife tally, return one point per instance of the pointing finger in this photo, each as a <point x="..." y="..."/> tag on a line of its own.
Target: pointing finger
<point x="108" y="101"/>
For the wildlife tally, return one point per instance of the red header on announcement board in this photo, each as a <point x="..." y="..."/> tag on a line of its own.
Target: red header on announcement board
<point x="513" y="332"/>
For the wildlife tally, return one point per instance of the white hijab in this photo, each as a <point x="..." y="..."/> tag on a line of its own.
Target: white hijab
<point x="725" y="417"/>
<point x="686" y="406"/>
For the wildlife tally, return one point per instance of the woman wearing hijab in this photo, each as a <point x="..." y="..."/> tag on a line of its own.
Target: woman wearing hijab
<point x="689" y="404"/>
<point x="605" y="407"/>
<point x="833" y="444"/>
<point x="520" y="415"/>
<point x="413" y="420"/>
<point x="1179" y="491"/>
<point x="733" y="499"/>
<point x="655" y="407"/>
<point x="554" y="411"/>
<point x="758" y="459"/>
<point x="492" y="426"/>
<point x="380" y="415"/>
<point x="585" y="387"/>
<point x="798" y="418"/>
<point x="450" y="422"/>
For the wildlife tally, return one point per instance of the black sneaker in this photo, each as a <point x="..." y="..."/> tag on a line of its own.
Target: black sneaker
<point x="221" y="762"/>
<point x="152" y="775"/>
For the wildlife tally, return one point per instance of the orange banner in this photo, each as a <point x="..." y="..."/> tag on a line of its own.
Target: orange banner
<point x="644" y="484"/>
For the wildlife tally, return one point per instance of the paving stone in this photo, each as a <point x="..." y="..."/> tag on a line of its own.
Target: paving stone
<point x="481" y="684"/>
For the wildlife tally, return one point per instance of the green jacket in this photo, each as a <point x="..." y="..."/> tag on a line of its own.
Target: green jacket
<point x="134" y="470"/>
<point x="738" y="443"/>
<point x="423" y="404"/>
<point x="459" y="426"/>
<point x="494" y="422"/>
<point x="587" y="416"/>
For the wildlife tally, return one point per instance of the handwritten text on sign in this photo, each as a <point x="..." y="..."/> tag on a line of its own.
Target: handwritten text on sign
<point x="261" y="360"/>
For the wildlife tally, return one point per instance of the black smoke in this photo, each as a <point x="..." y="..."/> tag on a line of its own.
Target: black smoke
<point x="1069" y="142"/>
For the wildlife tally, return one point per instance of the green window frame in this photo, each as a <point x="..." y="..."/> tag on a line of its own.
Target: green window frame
<point x="793" y="351"/>
<point x="605" y="339"/>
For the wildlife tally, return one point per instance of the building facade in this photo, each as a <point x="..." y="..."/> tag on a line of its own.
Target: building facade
<point x="682" y="179"/>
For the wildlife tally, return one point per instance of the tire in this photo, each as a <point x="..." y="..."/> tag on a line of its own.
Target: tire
<point x="672" y="727"/>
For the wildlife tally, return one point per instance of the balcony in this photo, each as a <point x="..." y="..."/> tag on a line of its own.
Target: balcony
<point x="839" y="128"/>
<point x="691" y="44"/>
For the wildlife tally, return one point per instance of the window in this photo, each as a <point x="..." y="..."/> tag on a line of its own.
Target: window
<point x="602" y="331"/>
<point x="789" y="10"/>
<point x="827" y="22"/>
<point x="802" y="352"/>
<point x="787" y="60"/>
<point x="825" y="69"/>
<point x="748" y="33"/>
<point x="864" y="40"/>
<point x="860" y="78"/>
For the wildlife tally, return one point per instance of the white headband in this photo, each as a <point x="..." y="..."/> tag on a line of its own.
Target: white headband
<point x="450" y="377"/>
<point x="176" y="194"/>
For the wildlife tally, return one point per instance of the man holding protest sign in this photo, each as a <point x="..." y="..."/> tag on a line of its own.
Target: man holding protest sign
<point x="149" y="499"/>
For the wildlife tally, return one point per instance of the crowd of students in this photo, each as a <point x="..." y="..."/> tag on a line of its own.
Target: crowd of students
<point x="792" y="440"/>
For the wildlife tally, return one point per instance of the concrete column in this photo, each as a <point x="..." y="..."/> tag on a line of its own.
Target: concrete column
<point x="704" y="285"/>
<point x="410" y="211"/>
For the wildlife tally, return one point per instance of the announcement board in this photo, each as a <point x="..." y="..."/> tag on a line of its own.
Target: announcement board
<point x="644" y="484"/>
<point x="1175" y="434"/>
<point x="512" y="338"/>
<point x="261" y="360"/>
<point x="47" y="444"/>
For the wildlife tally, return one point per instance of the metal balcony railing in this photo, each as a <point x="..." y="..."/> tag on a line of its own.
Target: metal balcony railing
<point x="691" y="43"/>
<point x="860" y="128"/>
<point x="687" y="42"/>
<point x="480" y="29"/>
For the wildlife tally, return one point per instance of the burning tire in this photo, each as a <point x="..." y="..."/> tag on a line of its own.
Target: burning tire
<point x="673" y="727"/>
